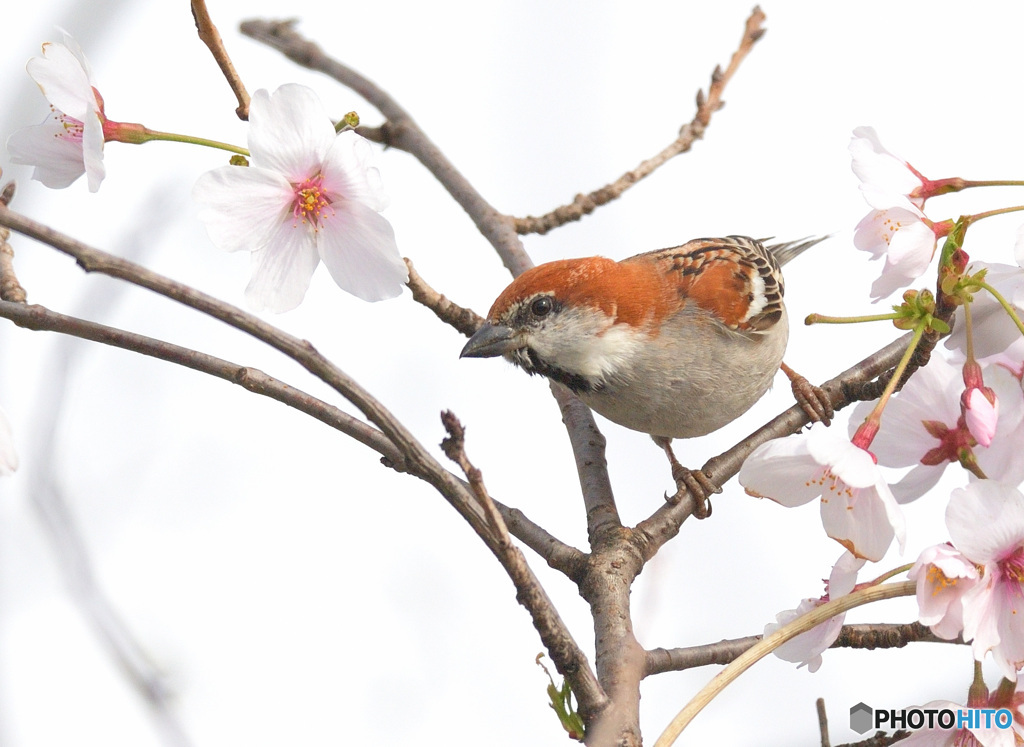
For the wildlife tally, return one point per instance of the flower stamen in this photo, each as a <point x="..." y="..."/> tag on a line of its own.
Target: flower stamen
<point x="311" y="203"/>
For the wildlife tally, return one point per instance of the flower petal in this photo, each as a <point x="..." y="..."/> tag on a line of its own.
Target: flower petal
<point x="986" y="520"/>
<point x="63" y="80"/>
<point x="243" y="207"/>
<point x="851" y="464"/>
<point x="981" y="416"/>
<point x="917" y="482"/>
<point x="92" y="150"/>
<point x="844" y="575"/>
<point x="349" y="175"/>
<point x="806" y="648"/>
<point x="864" y="521"/>
<point x="358" y="246"/>
<point x="282" y="269"/>
<point x="58" y="160"/>
<point x="782" y="470"/>
<point x="289" y="131"/>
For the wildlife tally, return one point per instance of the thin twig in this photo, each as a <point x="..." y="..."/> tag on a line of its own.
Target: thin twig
<point x="454" y="447"/>
<point x="861" y="636"/>
<point x="819" y="705"/>
<point x="211" y="38"/>
<point x="688" y="134"/>
<point x="593" y="700"/>
<point x="40" y="318"/>
<point x="464" y="320"/>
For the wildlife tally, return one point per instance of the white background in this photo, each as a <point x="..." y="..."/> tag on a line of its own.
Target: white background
<point x="291" y="589"/>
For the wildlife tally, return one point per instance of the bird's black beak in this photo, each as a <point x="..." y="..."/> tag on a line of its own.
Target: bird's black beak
<point x="491" y="340"/>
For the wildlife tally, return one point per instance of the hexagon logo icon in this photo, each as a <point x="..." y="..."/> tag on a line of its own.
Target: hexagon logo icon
<point x="861" y="718"/>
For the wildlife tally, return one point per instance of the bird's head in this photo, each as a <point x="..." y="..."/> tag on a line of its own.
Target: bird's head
<point x="577" y="321"/>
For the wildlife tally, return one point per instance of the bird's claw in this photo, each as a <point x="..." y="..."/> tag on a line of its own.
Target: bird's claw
<point x="813" y="400"/>
<point x="697" y="484"/>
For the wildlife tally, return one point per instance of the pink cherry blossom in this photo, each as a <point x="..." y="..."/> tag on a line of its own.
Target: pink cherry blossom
<point x="69" y="142"/>
<point x="857" y="508"/>
<point x="981" y="415"/>
<point x="309" y="195"/>
<point x="986" y="523"/>
<point x="923" y="427"/>
<point x="943" y="575"/>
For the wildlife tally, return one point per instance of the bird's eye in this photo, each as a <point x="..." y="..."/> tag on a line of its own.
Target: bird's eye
<point x="542" y="306"/>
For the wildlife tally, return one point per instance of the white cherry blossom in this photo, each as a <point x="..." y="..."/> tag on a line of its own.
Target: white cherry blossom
<point x="308" y="195"/>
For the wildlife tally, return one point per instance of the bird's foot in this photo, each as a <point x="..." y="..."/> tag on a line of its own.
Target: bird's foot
<point x="697" y="484"/>
<point x="812" y="399"/>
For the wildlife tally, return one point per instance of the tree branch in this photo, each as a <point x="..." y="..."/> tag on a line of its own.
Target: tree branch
<point x="688" y="134"/>
<point x="40" y="318"/>
<point x="464" y="320"/>
<point x="865" y="636"/>
<point x="10" y="288"/>
<point x="211" y="38"/>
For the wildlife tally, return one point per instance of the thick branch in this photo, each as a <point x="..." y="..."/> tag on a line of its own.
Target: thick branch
<point x="688" y="134"/>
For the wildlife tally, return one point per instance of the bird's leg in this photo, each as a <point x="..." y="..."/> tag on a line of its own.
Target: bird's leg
<point x="692" y="481"/>
<point x="812" y="399"/>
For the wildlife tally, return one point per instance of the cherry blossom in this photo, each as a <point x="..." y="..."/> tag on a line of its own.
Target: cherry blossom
<point x="857" y="508"/>
<point x="69" y="142"/>
<point x="309" y="195"/>
<point x="8" y="457"/>
<point x="907" y="240"/>
<point x="943" y="575"/>
<point x="806" y="649"/>
<point x="986" y="523"/>
<point x="924" y="427"/>
<point x="896" y="228"/>
<point x="886" y="179"/>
